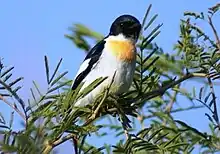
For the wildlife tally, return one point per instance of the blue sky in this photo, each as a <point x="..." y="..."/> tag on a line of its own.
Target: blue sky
<point x="31" y="29"/>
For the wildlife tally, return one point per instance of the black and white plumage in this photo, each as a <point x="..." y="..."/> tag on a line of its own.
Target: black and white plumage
<point x="116" y="53"/>
<point x="90" y="60"/>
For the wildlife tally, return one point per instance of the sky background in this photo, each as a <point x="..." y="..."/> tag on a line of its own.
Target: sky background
<point x="31" y="29"/>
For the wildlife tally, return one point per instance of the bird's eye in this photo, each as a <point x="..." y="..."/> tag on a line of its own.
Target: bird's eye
<point x="121" y="24"/>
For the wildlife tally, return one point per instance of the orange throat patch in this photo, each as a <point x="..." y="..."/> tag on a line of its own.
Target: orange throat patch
<point x="123" y="50"/>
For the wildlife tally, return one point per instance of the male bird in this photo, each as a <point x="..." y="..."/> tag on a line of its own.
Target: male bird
<point x="115" y="54"/>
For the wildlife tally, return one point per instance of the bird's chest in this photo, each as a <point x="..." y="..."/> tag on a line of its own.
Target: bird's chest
<point x="122" y="50"/>
<point x="123" y="69"/>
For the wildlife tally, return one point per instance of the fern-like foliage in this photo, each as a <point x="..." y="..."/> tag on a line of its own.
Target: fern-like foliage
<point x="50" y="118"/>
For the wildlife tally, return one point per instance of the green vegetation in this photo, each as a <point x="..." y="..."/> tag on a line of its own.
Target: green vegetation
<point x="49" y="120"/>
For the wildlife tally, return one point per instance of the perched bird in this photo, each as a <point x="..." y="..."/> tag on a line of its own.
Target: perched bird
<point x="115" y="54"/>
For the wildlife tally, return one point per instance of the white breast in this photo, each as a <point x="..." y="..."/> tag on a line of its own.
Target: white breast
<point x="106" y="67"/>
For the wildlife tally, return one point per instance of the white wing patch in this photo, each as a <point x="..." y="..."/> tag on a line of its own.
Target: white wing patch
<point x="82" y="67"/>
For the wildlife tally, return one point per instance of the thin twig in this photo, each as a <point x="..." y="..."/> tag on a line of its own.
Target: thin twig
<point x="215" y="112"/>
<point x="174" y="111"/>
<point x="140" y="118"/>
<point x="215" y="32"/>
<point x="75" y="144"/>
<point x="13" y="107"/>
<point x="50" y="146"/>
<point x="172" y="101"/>
<point x="206" y="105"/>
<point x="161" y="90"/>
<point x="15" y="95"/>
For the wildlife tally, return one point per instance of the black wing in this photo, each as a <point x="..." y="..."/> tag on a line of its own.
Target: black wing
<point x="93" y="55"/>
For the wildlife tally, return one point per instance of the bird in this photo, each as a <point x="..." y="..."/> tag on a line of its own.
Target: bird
<point x="113" y="58"/>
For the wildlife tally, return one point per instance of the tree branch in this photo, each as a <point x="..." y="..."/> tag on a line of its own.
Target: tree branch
<point x="215" y="32"/>
<point x="174" y="111"/>
<point x="50" y="146"/>
<point x="161" y="90"/>
<point x="14" y="107"/>
<point x="15" y="95"/>
<point x="172" y="101"/>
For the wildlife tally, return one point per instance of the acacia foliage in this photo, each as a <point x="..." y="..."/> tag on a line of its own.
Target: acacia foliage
<point x="49" y="119"/>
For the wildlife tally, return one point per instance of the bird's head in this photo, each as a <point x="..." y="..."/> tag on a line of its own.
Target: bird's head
<point x="126" y="25"/>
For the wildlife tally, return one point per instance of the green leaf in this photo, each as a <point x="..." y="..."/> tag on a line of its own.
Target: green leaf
<point x="47" y="69"/>
<point x="2" y="119"/>
<point x="146" y="15"/>
<point x="144" y="132"/>
<point x="151" y="21"/>
<point x="207" y="97"/>
<point x="58" y="78"/>
<point x="172" y="140"/>
<point x="176" y="146"/>
<point x="8" y="149"/>
<point x="191" y="128"/>
<point x="7" y="77"/>
<point x="15" y="81"/>
<point x="146" y="67"/>
<point x="92" y="86"/>
<point x="147" y="41"/>
<point x="55" y="71"/>
<point x="58" y="87"/>
<point x="6" y="72"/>
<point x="3" y="126"/>
<point x="83" y="30"/>
<point x="11" y="120"/>
<point x="36" y="87"/>
<point x="154" y="134"/>
<point x="200" y="93"/>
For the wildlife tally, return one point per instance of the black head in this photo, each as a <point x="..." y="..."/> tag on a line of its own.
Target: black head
<point x="127" y="25"/>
